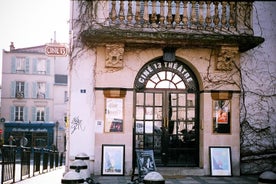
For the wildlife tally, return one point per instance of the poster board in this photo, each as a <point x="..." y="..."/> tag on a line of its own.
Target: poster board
<point x="145" y="162"/>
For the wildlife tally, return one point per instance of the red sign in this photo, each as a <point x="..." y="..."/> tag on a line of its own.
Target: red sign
<point x="56" y="50"/>
<point x="1" y="131"/>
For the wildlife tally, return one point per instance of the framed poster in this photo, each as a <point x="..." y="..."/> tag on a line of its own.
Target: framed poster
<point x="220" y="161"/>
<point x="221" y="116"/>
<point x="113" y="159"/>
<point x="113" y="115"/>
<point x="145" y="162"/>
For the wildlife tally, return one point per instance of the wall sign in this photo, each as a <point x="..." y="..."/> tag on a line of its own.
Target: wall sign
<point x="158" y="65"/>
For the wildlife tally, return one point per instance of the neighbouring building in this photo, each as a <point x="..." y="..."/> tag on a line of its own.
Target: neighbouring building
<point x="34" y="97"/>
<point x="163" y="76"/>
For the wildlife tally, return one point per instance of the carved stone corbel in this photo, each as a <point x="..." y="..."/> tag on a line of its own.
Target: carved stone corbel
<point x="226" y="57"/>
<point x="114" y="55"/>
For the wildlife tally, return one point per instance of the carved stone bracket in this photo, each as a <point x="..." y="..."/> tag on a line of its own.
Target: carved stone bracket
<point x="114" y="55"/>
<point x="226" y="57"/>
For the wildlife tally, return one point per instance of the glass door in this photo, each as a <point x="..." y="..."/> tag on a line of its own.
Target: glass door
<point x="165" y="122"/>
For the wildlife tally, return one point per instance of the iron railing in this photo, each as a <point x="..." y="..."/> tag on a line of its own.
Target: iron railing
<point x="16" y="162"/>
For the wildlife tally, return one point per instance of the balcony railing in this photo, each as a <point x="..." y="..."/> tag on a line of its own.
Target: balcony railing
<point x="141" y="19"/>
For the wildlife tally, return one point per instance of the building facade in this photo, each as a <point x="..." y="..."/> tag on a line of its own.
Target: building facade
<point x="157" y="75"/>
<point x="34" y="97"/>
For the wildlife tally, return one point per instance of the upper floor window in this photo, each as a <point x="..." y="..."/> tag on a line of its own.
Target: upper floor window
<point x="41" y="66"/>
<point x="41" y="90"/>
<point x="20" y="65"/>
<point x="19" y="113"/>
<point x="19" y="89"/>
<point x="40" y="114"/>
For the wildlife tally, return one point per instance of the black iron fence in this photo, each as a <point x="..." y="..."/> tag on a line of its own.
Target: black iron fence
<point x="27" y="162"/>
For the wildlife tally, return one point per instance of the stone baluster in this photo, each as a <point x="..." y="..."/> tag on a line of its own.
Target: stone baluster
<point x="121" y="13"/>
<point x="113" y="11"/>
<point x="204" y="15"/>
<point x="181" y="13"/>
<point x="158" y="9"/>
<point x="133" y="8"/>
<point x="196" y="14"/>
<point x="138" y="14"/>
<point x="153" y="15"/>
<point x="166" y="13"/>
<point x="162" y="18"/>
<point x="173" y="7"/>
<point x="177" y="15"/>
<point x="150" y="11"/>
<point x="129" y="13"/>
<point x="189" y="14"/>
<point x="185" y="14"/>
<point x="220" y="14"/>
<point x="232" y="19"/>
<point x="212" y="15"/>
<point x="146" y="15"/>
<point x="169" y="14"/>
<point x="216" y="17"/>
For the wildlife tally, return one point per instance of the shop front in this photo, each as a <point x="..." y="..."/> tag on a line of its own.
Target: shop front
<point x="38" y="135"/>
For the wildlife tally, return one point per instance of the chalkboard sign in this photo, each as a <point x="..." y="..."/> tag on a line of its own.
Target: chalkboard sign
<point x="145" y="162"/>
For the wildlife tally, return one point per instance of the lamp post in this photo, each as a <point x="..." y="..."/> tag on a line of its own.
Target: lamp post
<point x="57" y="123"/>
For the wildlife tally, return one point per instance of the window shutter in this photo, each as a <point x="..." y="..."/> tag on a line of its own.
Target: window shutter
<point x="47" y="114"/>
<point x="25" y="114"/>
<point x="34" y="90"/>
<point x="13" y="83"/>
<point x="12" y="113"/>
<point x="34" y="66"/>
<point x="26" y="94"/>
<point x="27" y="65"/>
<point x="48" y="67"/>
<point x="13" y="63"/>
<point x="33" y="113"/>
<point x="47" y="92"/>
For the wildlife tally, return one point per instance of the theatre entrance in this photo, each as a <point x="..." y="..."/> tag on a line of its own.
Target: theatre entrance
<point x="166" y="110"/>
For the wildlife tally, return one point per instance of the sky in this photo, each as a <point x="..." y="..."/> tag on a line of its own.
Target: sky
<point x="30" y="23"/>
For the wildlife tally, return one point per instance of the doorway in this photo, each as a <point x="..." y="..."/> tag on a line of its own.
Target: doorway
<point x="166" y="113"/>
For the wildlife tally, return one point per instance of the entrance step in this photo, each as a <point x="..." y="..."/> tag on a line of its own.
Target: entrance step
<point x="180" y="171"/>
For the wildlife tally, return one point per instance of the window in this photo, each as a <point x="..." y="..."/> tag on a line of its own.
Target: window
<point x="20" y="64"/>
<point x="40" y="114"/>
<point x="41" y="90"/>
<point x="19" y="112"/>
<point x="19" y="91"/>
<point x="41" y="66"/>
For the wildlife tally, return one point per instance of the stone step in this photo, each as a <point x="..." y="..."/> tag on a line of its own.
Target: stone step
<point x="180" y="171"/>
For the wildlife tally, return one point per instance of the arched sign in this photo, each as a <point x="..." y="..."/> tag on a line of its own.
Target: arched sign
<point x="158" y="65"/>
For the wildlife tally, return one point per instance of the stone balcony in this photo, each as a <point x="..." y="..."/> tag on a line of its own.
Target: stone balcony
<point x="168" y="23"/>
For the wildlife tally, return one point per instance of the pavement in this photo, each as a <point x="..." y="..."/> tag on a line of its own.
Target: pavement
<point x="55" y="176"/>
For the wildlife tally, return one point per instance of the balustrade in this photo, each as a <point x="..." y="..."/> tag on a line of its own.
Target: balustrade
<point x="174" y="14"/>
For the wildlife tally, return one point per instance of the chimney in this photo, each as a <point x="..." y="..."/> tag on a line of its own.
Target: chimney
<point x="12" y="46"/>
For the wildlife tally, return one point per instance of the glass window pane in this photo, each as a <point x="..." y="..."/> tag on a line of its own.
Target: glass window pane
<point x="149" y="113"/>
<point x="148" y="127"/>
<point x="158" y="113"/>
<point x="149" y="99"/>
<point x="158" y="99"/>
<point x="140" y="113"/>
<point x="139" y="127"/>
<point x="181" y="85"/>
<point x="181" y="99"/>
<point x="150" y="84"/>
<point x="140" y="98"/>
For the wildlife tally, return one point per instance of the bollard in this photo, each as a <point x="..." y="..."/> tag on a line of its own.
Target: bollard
<point x="267" y="177"/>
<point x="154" y="178"/>
<point x="72" y="177"/>
<point x="85" y="158"/>
<point x="81" y="167"/>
